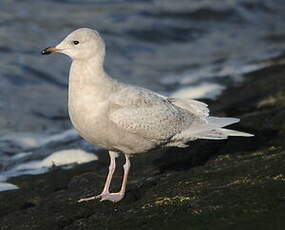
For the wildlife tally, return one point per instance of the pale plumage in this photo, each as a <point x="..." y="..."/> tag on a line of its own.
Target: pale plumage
<point x="149" y="115"/>
<point x="128" y="119"/>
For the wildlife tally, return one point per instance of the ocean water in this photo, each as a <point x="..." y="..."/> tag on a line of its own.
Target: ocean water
<point x="183" y="48"/>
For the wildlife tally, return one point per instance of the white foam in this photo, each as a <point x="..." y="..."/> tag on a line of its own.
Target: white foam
<point x="20" y="156"/>
<point x="204" y="90"/>
<point x="63" y="157"/>
<point x="205" y="76"/>
<point x="7" y="186"/>
<point x="67" y="134"/>
<point x="59" y="158"/>
<point x="33" y="140"/>
<point x="213" y="71"/>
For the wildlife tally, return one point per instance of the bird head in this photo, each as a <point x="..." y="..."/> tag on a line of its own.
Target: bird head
<point x="81" y="44"/>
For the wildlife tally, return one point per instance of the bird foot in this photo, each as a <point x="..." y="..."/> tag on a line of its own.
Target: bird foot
<point x="114" y="197"/>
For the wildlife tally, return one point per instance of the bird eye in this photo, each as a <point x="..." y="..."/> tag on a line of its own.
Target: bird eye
<point x="75" y="42"/>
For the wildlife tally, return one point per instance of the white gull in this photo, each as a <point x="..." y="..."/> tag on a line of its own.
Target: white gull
<point x="124" y="118"/>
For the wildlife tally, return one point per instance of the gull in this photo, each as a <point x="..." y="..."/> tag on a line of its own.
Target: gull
<point x="128" y="119"/>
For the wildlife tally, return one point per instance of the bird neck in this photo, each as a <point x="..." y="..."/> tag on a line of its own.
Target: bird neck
<point x="88" y="72"/>
<point x="88" y="78"/>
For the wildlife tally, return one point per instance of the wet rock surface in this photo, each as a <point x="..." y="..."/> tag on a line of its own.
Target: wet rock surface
<point x="233" y="184"/>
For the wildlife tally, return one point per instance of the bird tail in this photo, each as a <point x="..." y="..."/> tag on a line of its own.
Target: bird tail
<point x="221" y="121"/>
<point x="220" y="134"/>
<point x="212" y="130"/>
<point x="215" y="130"/>
<point x="211" y="127"/>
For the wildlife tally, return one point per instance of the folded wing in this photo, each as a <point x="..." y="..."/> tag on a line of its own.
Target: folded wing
<point x="148" y="114"/>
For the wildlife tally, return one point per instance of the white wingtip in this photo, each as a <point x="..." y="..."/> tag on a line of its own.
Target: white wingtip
<point x="222" y="121"/>
<point x="230" y="132"/>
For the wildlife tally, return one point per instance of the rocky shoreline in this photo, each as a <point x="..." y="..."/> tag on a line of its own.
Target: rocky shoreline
<point x="237" y="183"/>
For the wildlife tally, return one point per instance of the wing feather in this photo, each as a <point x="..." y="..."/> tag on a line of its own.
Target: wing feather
<point x="148" y="114"/>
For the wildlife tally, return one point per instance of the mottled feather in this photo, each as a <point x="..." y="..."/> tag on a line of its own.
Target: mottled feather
<point x="148" y="114"/>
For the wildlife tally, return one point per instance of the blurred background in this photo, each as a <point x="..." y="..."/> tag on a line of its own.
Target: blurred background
<point x="192" y="48"/>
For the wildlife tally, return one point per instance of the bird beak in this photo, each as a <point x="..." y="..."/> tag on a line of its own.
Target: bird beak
<point x="50" y="50"/>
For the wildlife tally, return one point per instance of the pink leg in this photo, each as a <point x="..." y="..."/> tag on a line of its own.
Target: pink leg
<point x="105" y="191"/>
<point x="115" y="197"/>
